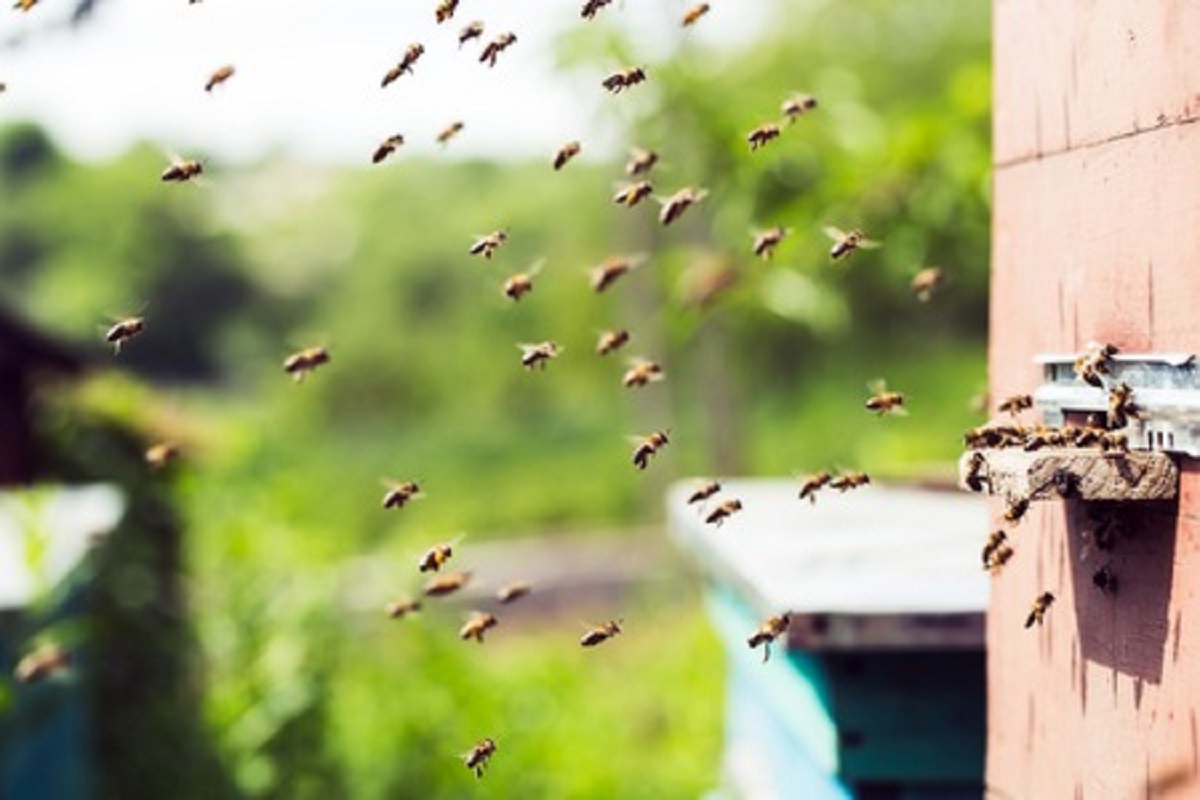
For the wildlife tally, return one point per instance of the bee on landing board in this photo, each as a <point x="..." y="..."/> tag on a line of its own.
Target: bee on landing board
<point x="495" y="47"/>
<point x="601" y="633"/>
<point x="565" y="154"/>
<point x="388" y="146"/>
<point x="674" y="206"/>
<point x="219" y="76"/>
<point x="301" y="363"/>
<point x="766" y="242"/>
<point x="537" y="355"/>
<point x="449" y="132"/>
<point x="927" y="282"/>
<point x="844" y="244"/>
<point x="479" y="755"/>
<point x="182" y="170"/>
<point x="445" y="10"/>
<point x="630" y="194"/>
<point x="477" y="625"/>
<point x="123" y="330"/>
<point x="42" y="663"/>
<point x="813" y="483"/>
<point x="591" y="7"/>
<point x="851" y="480"/>
<point x="472" y="30"/>
<point x="640" y="161"/>
<point x="402" y="608"/>
<point x="513" y="592"/>
<point x="703" y="492"/>
<point x="621" y="80"/>
<point x="647" y="447"/>
<point x="611" y="341"/>
<point x="487" y="245"/>
<point x="1040" y="605"/>
<point x="768" y="632"/>
<point x="693" y="14"/>
<point x="797" y="106"/>
<point x="411" y="55"/>
<point x="642" y="372"/>
<point x="723" y="512"/>
<point x="160" y="455"/>
<point x="762" y="135"/>
<point x="446" y="583"/>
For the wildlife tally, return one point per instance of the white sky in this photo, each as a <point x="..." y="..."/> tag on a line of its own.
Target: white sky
<point x="308" y="74"/>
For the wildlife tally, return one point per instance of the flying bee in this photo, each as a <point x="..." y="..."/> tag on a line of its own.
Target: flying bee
<point x="1016" y="509"/>
<point x="436" y="557"/>
<point x="1015" y="404"/>
<point x="299" y="364"/>
<point x="704" y="492"/>
<point x="123" y="330"/>
<point x="611" y="341"/>
<point x="768" y="632"/>
<point x="182" y="170"/>
<point x="591" y="7"/>
<point x="642" y="372"/>
<point x="810" y="485"/>
<point x="619" y="81"/>
<point x="674" y="206"/>
<point x="24" y="5"/>
<point x="42" y="663"/>
<point x="1105" y="580"/>
<point x="723" y="512"/>
<point x="388" y="146"/>
<point x="478" y="756"/>
<point x="472" y="30"/>
<point x="766" y="241"/>
<point x="446" y="583"/>
<point x="1040" y="605"/>
<point x="477" y="625"/>
<point x="647" y="446"/>
<point x="996" y="552"/>
<point x="851" y="480"/>
<point x="219" y="76"/>
<point x="640" y="161"/>
<point x="601" y="633"/>
<point x="449" y="132"/>
<point x="518" y="285"/>
<point x="411" y="55"/>
<point x="445" y="10"/>
<point x="844" y="244"/>
<point x="927" y="282"/>
<point x="1120" y="406"/>
<point x="486" y="245"/>
<point x="1093" y="362"/>
<point x="565" y="154"/>
<point x="495" y="47"/>
<point x="536" y="355"/>
<point x="402" y="608"/>
<point x="611" y="270"/>
<point x="399" y="493"/>
<point x="513" y="592"/>
<point x="797" y="105"/>
<point x="161" y="454"/>
<point x="761" y="135"/>
<point x="631" y="194"/>
<point x="693" y="14"/>
<point x="976" y="475"/>
<point x="883" y="402"/>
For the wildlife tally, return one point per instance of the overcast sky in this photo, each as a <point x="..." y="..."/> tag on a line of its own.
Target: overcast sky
<point x="308" y="74"/>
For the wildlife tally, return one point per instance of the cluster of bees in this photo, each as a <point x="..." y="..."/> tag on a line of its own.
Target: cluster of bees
<point x="1099" y="431"/>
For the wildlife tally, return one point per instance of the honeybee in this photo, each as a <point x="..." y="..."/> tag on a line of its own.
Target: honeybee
<point x="631" y="194"/>
<point x="478" y="757"/>
<point x="1120" y="406"/>
<point x="472" y="30"/>
<point x="536" y="355"/>
<point x="601" y="633"/>
<point x="768" y="632"/>
<point x="999" y="558"/>
<point x="1016" y="509"/>
<point x="182" y="170"/>
<point x="994" y="436"/>
<point x="399" y="493"/>
<point x="518" y="285"/>
<point x="618" y="82"/>
<point x="611" y="341"/>
<point x="24" y="5"/>
<point x="436" y="557"/>
<point x="565" y="154"/>
<point x="610" y="270"/>
<point x="704" y="492"/>
<point x="477" y="625"/>
<point x="640" y="161"/>
<point x="761" y="135"/>
<point x="723" y="512"/>
<point x="926" y="283"/>
<point x="161" y="454"/>
<point x="1105" y="580"/>
<point x="1043" y="436"/>
<point x="1065" y="482"/>
<point x="1015" y="404"/>
<point x="387" y="147"/>
<point x="1114" y="444"/>
<point x="976" y="475"/>
<point x="1093" y="362"/>
<point x="693" y="14"/>
<point x="449" y="132"/>
<point x="219" y="76"/>
<point x="642" y="372"/>
<point x="851" y="480"/>
<point x="401" y="608"/>
<point x="411" y="55"/>
<point x="766" y="241"/>
<point x="1040" y="605"/>
<point x="883" y="402"/>
<point x="513" y="592"/>
<point x="445" y="10"/>
<point x="647" y="446"/>
<point x="674" y="206"/>
<point x="446" y="583"/>
<point x="42" y="663"/>
<point x="124" y="330"/>
<point x="495" y="47"/>
<point x="996" y="551"/>
<point x="797" y="105"/>
<point x="844" y="244"/>
<point x="486" y="245"/>
<point x="299" y="364"/>
<point x="810" y="485"/>
<point x="591" y="7"/>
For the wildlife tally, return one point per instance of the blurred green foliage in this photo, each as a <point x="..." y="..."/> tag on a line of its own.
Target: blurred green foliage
<point x="307" y="696"/>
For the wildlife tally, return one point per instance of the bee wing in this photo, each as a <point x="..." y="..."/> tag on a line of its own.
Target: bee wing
<point x="869" y="244"/>
<point x="536" y="268"/>
<point x="837" y="234"/>
<point x="877" y="386"/>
